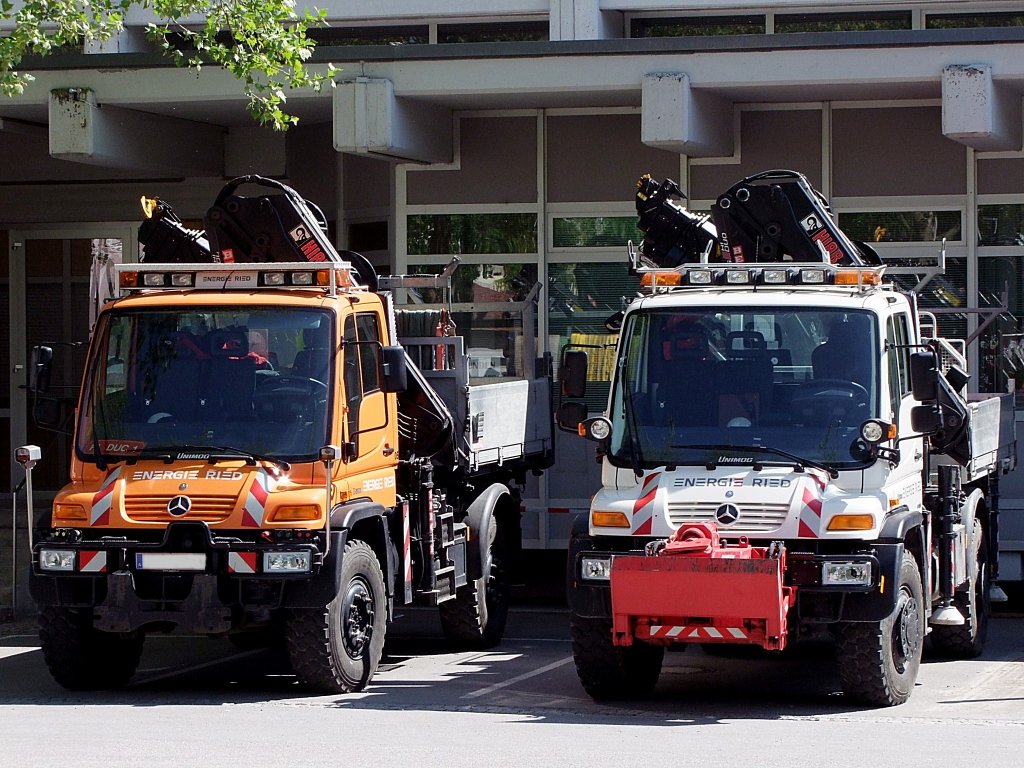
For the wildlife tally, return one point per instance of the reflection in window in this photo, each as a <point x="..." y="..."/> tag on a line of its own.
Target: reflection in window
<point x="841" y="22"/>
<point x="581" y="297"/>
<point x="595" y="231"/>
<point x="458" y="233"/>
<point x="1002" y="344"/>
<point x="493" y="32"/>
<point x="1001" y="224"/>
<point x="961" y="20"/>
<point x="402" y="35"/>
<point x="500" y="341"/>
<point x="902" y="226"/>
<point x="698" y="26"/>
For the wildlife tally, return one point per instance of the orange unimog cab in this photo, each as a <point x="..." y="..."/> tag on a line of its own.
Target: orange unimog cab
<point x="256" y="452"/>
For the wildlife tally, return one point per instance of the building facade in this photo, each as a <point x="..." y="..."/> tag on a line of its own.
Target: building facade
<point x="512" y="132"/>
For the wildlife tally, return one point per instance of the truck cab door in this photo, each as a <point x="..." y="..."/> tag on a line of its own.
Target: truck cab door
<point x="907" y="473"/>
<point x="369" y="418"/>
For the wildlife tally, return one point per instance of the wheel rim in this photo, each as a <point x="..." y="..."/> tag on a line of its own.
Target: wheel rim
<point x="357" y="613"/>
<point x="906" y="631"/>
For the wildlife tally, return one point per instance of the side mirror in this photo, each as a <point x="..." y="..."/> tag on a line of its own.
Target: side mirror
<point x="395" y="374"/>
<point x="39" y="369"/>
<point x="49" y="412"/>
<point x="925" y="419"/>
<point x="924" y="376"/>
<point x="570" y="416"/>
<point x="573" y="374"/>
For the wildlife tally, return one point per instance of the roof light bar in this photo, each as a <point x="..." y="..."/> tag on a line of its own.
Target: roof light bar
<point x="296" y="275"/>
<point x="752" y="274"/>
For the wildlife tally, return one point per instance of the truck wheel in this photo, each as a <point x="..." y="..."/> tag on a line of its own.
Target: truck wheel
<point x="80" y="657"/>
<point x="476" y="616"/>
<point x="336" y="649"/>
<point x="878" y="662"/>
<point x="967" y="641"/>
<point x="610" y="672"/>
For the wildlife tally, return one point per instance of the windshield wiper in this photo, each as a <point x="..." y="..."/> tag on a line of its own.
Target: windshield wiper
<point x="212" y="453"/>
<point x="801" y="462"/>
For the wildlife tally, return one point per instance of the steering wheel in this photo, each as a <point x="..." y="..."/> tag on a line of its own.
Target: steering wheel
<point x="829" y="397"/>
<point x="287" y="396"/>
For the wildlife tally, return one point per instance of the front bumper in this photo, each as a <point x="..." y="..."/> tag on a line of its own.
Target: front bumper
<point x="212" y="583"/>
<point x="733" y="600"/>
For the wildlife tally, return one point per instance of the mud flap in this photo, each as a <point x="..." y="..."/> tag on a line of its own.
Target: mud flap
<point x="701" y="599"/>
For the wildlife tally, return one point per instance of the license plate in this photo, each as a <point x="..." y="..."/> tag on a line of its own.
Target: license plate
<point x="170" y="561"/>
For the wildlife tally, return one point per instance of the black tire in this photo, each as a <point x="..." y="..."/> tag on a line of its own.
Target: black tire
<point x="336" y="649"/>
<point x="80" y="657"/>
<point x="477" y="615"/>
<point x="967" y="641"/>
<point x="609" y="672"/>
<point x="879" y="661"/>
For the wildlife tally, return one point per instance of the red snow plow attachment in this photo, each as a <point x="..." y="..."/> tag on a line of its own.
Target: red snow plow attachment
<point x="694" y="589"/>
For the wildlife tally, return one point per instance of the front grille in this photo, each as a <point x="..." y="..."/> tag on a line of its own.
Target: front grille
<point x="154" y="508"/>
<point x="760" y="518"/>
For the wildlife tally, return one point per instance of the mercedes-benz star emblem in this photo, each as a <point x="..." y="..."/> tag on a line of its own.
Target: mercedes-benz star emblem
<point x="179" y="505"/>
<point x="727" y="514"/>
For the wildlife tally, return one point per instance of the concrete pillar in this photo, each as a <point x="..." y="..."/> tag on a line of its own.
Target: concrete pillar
<point x="679" y="118"/>
<point x="370" y="119"/>
<point x="979" y="112"/>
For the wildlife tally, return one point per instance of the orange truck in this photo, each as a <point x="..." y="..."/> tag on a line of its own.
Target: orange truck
<point x="256" y="453"/>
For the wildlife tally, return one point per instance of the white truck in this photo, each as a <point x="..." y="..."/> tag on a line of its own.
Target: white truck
<point x="787" y="452"/>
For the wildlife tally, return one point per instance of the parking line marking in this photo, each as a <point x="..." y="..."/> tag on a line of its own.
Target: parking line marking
<point x="517" y="679"/>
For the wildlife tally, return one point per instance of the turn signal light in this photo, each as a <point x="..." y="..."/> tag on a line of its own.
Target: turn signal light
<point x="609" y="519"/>
<point x="295" y="512"/>
<point x="851" y="523"/>
<point x="69" y="512"/>
<point x="658" y="279"/>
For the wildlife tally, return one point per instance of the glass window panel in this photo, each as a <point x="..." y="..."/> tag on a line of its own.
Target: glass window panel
<point x="369" y="35"/>
<point x="458" y="233"/>
<point x="902" y="226"/>
<point x="484" y="311"/>
<point x="960" y="20"/>
<point x="493" y="32"/>
<point x="581" y="297"/>
<point x="698" y="26"/>
<point x="1002" y="343"/>
<point x="1001" y="224"/>
<point x="841" y="22"/>
<point x="595" y="231"/>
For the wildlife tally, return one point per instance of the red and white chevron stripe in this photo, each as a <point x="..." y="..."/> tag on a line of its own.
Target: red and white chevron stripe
<point x="643" y="507"/>
<point x="102" y="500"/>
<point x="697" y="632"/>
<point x="241" y="562"/>
<point x="92" y="561"/>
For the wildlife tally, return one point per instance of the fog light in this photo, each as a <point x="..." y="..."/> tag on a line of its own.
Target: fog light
<point x="153" y="279"/>
<point x="57" y="559"/>
<point x="737" y="277"/>
<point x="774" y="276"/>
<point x="596" y="568"/>
<point x="181" y="279"/>
<point x="812" y="276"/>
<point x="286" y="562"/>
<point x="699" y="277"/>
<point x="273" y="278"/>
<point x="302" y="278"/>
<point x="858" y="574"/>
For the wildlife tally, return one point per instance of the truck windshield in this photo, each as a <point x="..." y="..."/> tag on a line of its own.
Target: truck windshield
<point x="690" y="384"/>
<point x="251" y="379"/>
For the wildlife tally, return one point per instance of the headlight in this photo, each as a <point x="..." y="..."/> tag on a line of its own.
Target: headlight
<point x="596" y="568"/>
<point x="57" y="559"/>
<point x="286" y="562"/>
<point x="846" y="573"/>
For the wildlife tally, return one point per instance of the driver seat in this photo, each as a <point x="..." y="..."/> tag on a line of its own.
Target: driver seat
<point x="844" y="355"/>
